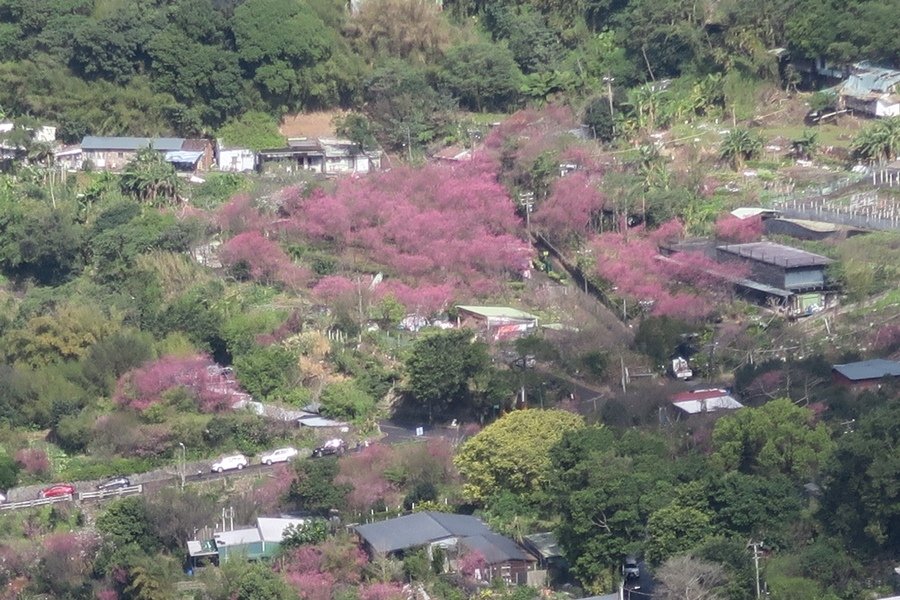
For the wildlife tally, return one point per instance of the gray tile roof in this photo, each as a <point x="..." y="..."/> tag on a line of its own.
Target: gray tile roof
<point x="869" y="369"/>
<point x="495" y="548"/>
<point x="130" y="144"/>
<point x="418" y="529"/>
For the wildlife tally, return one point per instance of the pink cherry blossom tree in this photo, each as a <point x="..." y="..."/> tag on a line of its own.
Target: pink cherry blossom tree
<point x="739" y="231"/>
<point x="436" y="233"/>
<point x="262" y="260"/>
<point x="208" y="386"/>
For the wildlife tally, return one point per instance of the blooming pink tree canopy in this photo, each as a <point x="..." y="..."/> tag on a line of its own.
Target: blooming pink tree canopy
<point x="739" y="231"/>
<point x="145" y="386"/>
<point x="263" y="259"/>
<point x="436" y="232"/>
<point x="685" y="285"/>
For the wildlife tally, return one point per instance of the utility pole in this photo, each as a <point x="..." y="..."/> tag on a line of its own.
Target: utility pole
<point x="527" y="200"/>
<point x="182" y="467"/>
<point x="608" y="80"/>
<point x="756" y="546"/>
<point x="622" y="366"/>
<point x="408" y="143"/>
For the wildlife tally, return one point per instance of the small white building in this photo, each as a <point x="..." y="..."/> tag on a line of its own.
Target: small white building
<point x="872" y="91"/>
<point x="234" y="159"/>
<point x="705" y="401"/>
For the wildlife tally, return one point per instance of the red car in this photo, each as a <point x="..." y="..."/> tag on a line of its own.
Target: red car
<point x="60" y="489"/>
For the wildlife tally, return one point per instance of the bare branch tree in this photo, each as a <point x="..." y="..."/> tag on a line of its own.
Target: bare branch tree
<point x="688" y="578"/>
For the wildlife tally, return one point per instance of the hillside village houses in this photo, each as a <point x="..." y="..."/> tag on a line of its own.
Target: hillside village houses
<point x="326" y="156"/>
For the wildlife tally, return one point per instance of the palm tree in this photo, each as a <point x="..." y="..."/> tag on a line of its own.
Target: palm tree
<point x="739" y="146"/>
<point x="879" y="142"/>
<point x="806" y="145"/>
<point x="148" y="177"/>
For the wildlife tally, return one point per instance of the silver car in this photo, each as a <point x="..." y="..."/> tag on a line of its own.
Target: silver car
<point x="231" y="462"/>
<point x="279" y="455"/>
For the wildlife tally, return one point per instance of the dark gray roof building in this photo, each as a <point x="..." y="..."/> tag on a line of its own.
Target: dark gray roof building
<point x="776" y="254"/>
<point x="494" y="548"/>
<point x="419" y="529"/>
<point x="868" y="369"/>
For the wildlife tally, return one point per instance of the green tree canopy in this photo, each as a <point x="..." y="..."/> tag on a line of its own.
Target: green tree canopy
<point x="253" y="130"/>
<point x="513" y="453"/>
<point x="483" y="76"/>
<point x="779" y="437"/>
<point x="862" y="491"/>
<point x="345" y="400"/>
<point x="441" y="367"/>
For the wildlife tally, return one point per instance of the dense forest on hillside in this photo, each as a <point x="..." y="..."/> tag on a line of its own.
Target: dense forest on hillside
<point x="189" y="66"/>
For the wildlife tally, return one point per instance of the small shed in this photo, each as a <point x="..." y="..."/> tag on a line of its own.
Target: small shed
<point x="705" y="401"/>
<point x="871" y="90"/>
<point x="865" y="374"/>
<point x="499" y="322"/>
<point x="234" y="159"/>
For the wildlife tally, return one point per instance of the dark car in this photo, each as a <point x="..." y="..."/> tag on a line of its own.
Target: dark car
<point x="116" y="483"/>
<point x="630" y="568"/>
<point x="335" y="446"/>
<point x="58" y="490"/>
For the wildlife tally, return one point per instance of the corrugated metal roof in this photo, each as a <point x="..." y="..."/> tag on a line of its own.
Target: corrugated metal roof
<point x="92" y="142"/>
<point x="776" y="254"/>
<point x="869" y="369"/>
<point x="497" y="312"/>
<point x="866" y="79"/>
<point x="545" y="543"/>
<point x="237" y="536"/>
<point x="182" y="156"/>
<point x="271" y="529"/>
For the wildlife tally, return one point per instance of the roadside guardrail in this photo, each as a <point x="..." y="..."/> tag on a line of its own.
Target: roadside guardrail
<point x="35" y="502"/>
<point x="103" y="494"/>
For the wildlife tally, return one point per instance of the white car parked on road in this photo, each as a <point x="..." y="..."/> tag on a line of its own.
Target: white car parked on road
<point x="228" y="463"/>
<point x="280" y="455"/>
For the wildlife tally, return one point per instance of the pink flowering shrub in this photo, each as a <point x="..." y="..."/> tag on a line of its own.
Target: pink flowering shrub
<point x="263" y="259"/>
<point x="34" y="461"/>
<point x="381" y="591"/>
<point x="198" y="375"/>
<point x="67" y="559"/>
<point x="739" y="231"/>
<point x="269" y="496"/>
<point x="315" y="571"/>
<point x="239" y="215"/>
<point x="471" y="562"/>
<point x="886" y="338"/>
<point x="365" y="472"/>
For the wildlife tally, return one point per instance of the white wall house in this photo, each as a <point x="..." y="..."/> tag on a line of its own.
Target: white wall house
<point x="235" y="160"/>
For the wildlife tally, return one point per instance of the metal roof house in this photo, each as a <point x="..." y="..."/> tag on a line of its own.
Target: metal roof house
<point x="872" y="91"/>
<point x="249" y="543"/>
<point x="500" y="322"/>
<point x="327" y="156"/>
<point x="865" y="374"/>
<point x="792" y="279"/>
<point x="457" y="535"/>
<point x="113" y="153"/>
